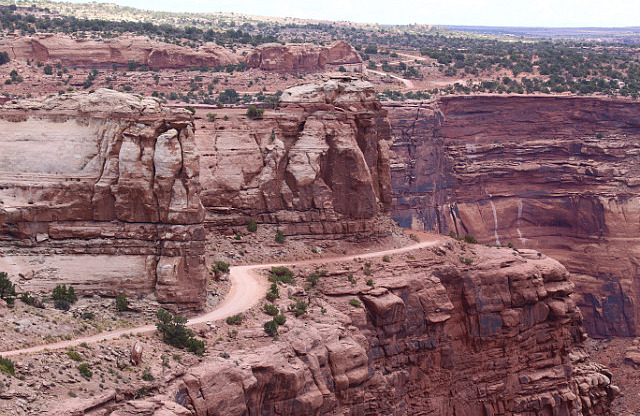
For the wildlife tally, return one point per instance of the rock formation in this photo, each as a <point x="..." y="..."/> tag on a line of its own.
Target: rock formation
<point x="302" y="57"/>
<point x="558" y="174"/>
<point x="319" y="165"/>
<point x="100" y="191"/>
<point x="103" y="53"/>
<point x="434" y="337"/>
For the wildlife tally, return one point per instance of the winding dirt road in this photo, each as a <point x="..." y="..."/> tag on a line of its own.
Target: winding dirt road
<point x="247" y="288"/>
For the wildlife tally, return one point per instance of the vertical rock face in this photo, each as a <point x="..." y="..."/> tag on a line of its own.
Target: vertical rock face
<point x="302" y="57"/>
<point x="101" y="191"/>
<point x="500" y="337"/>
<point x="558" y="174"/>
<point x="318" y="165"/>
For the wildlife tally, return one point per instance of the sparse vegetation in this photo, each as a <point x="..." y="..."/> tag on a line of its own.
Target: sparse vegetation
<point x="355" y="302"/>
<point x="219" y="268"/>
<point x="299" y="307"/>
<point x="252" y="226"/>
<point x="122" y="304"/>
<point x="465" y="260"/>
<point x="271" y="328"/>
<point x="235" y="319"/>
<point x="270" y="309"/>
<point x="85" y="370"/>
<point x="280" y="319"/>
<point x="254" y="112"/>
<point x="281" y="274"/>
<point x="273" y="293"/>
<point x="386" y="259"/>
<point x="64" y="297"/>
<point x="75" y="356"/>
<point x="280" y="238"/>
<point x="7" y="289"/>
<point x="6" y="366"/>
<point x="469" y="239"/>
<point x="174" y="332"/>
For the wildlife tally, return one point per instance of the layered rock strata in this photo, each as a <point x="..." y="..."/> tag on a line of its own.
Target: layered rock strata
<point x="101" y="191"/>
<point x="318" y="165"/>
<point x="434" y="337"/>
<point x="558" y="174"/>
<point x="104" y="53"/>
<point x="302" y="57"/>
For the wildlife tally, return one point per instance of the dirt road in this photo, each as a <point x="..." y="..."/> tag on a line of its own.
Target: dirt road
<point x="247" y="288"/>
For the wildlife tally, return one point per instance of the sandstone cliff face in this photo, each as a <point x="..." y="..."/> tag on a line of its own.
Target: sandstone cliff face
<point x="302" y="57"/>
<point x="557" y="174"/>
<point x="319" y="165"/>
<point x="103" y="53"/>
<point x="434" y="337"/>
<point x="101" y="191"/>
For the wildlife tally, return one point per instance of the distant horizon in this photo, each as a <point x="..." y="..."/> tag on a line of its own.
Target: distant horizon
<point x="570" y="14"/>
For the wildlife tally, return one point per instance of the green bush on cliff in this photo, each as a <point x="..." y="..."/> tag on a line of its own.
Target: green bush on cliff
<point x="7" y="289"/>
<point x="174" y="332"/>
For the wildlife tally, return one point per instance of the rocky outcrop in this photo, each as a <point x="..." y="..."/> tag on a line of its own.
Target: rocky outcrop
<point x="101" y="191"/>
<point x="558" y="174"/>
<point x="302" y="57"/>
<point x="434" y="337"/>
<point x="104" y="53"/>
<point x="319" y="165"/>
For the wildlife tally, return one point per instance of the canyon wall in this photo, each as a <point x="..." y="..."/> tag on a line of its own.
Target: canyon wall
<point x="434" y="337"/>
<point x="100" y="191"/>
<point x="302" y="57"/>
<point x="104" y="53"/>
<point x="318" y="165"/>
<point x="556" y="174"/>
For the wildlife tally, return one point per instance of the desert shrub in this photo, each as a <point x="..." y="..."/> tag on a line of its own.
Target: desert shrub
<point x="220" y="267"/>
<point x="147" y="376"/>
<point x="453" y="234"/>
<point x="367" y="271"/>
<point x="271" y="328"/>
<point x="271" y="309"/>
<point x="355" y="303"/>
<point x="280" y="319"/>
<point x="351" y="279"/>
<point x="190" y="109"/>
<point x="252" y="227"/>
<point x="6" y="366"/>
<point x="299" y="307"/>
<point x="281" y="274"/>
<point x="370" y="282"/>
<point x="254" y="112"/>
<point x="211" y="116"/>
<point x="122" y="304"/>
<point x="235" y="319"/>
<point x="62" y="293"/>
<point x="280" y="238"/>
<point x="31" y="301"/>
<point x="75" y="356"/>
<point x="48" y="70"/>
<point x="465" y="260"/>
<point x="468" y="238"/>
<point x="62" y="305"/>
<point x="273" y="293"/>
<point x="313" y="279"/>
<point x="414" y="238"/>
<point x="4" y="58"/>
<point x="7" y="289"/>
<point x="174" y="332"/>
<point x="386" y="259"/>
<point x="84" y="370"/>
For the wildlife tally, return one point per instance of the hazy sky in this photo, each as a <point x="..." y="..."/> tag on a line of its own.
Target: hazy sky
<point x="550" y="13"/>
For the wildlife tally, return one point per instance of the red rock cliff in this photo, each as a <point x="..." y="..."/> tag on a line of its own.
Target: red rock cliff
<point x="302" y="57"/>
<point x="318" y="165"/>
<point x="434" y="337"/>
<point x="558" y="174"/>
<point x="100" y="191"/>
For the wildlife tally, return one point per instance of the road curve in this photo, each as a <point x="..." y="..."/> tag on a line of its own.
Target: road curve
<point x="247" y="288"/>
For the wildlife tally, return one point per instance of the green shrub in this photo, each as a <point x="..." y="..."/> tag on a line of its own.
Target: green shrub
<point x="352" y="279"/>
<point x="7" y="289"/>
<point x="235" y="319"/>
<point x="6" y="366"/>
<point x="30" y="300"/>
<point x="254" y="112"/>
<point x="281" y="274"/>
<point x="355" y="303"/>
<point x="219" y="268"/>
<point x="195" y="346"/>
<point x="468" y="238"/>
<point x="280" y="319"/>
<point x="299" y="307"/>
<point x="75" y="356"/>
<point x="62" y="305"/>
<point x="273" y="293"/>
<point x="280" y="238"/>
<point x="252" y="227"/>
<point x="174" y="332"/>
<point x="370" y="282"/>
<point x="84" y="370"/>
<point x="386" y="259"/>
<point x="313" y="279"/>
<point x="465" y="260"/>
<point x="147" y="376"/>
<point x="271" y="328"/>
<point x="271" y="309"/>
<point x="62" y="293"/>
<point x="48" y="70"/>
<point x="211" y="116"/>
<point x="190" y="109"/>
<point x="122" y="304"/>
<point x="367" y="271"/>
